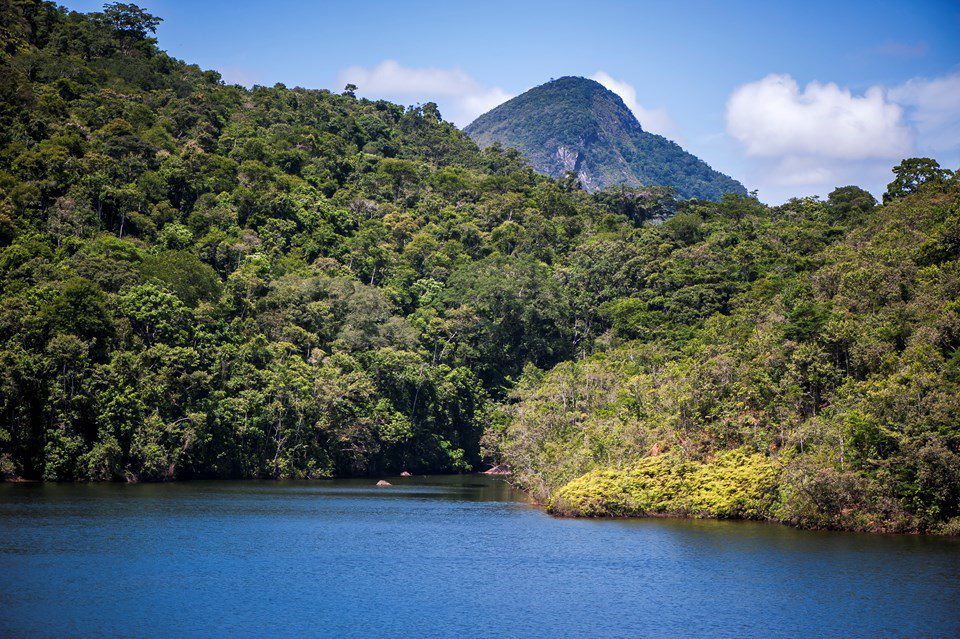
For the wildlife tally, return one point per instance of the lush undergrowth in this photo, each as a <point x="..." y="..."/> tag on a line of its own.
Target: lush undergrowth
<point x="837" y="362"/>
<point x="734" y="484"/>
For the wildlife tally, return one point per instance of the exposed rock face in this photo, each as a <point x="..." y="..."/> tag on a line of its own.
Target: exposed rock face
<point x="575" y="124"/>
<point x="567" y="158"/>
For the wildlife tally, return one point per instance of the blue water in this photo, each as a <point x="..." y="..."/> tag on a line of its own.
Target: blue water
<point x="439" y="557"/>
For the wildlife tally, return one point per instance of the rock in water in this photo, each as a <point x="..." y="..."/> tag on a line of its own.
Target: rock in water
<point x="405" y="474"/>
<point x="383" y="483"/>
<point x="501" y="469"/>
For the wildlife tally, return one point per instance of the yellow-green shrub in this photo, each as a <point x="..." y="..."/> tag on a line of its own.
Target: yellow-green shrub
<point x="734" y="484"/>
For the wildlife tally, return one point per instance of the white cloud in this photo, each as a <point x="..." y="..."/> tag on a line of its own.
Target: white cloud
<point x="933" y="108"/>
<point x="793" y="171"/>
<point x="821" y="136"/>
<point x="479" y="103"/>
<point x="774" y="118"/>
<point x="451" y="88"/>
<point x="779" y="179"/>
<point x="391" y="78"/>
<point x="652" y="120"/>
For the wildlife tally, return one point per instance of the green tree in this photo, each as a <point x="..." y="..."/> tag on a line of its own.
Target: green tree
<point x="911" y="174"/>
<point x="130" y="22"/>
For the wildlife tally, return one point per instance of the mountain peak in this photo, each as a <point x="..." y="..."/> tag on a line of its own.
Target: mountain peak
<point x="575" y="82"/>
<point x="576" y="124"/>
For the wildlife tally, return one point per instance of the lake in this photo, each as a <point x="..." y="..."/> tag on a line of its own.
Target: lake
<point x="439" y="557"/>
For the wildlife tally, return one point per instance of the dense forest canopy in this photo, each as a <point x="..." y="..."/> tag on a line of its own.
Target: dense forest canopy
<point x="202" y="280"/>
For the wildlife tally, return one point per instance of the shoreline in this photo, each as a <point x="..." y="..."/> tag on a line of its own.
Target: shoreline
<point x="532" y="501"/>
<point x="771" y="522"/>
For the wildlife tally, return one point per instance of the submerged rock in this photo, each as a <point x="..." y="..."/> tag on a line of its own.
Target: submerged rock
<point x="383" y="483"/>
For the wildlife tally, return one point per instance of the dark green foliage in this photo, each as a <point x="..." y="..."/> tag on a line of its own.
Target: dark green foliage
<point x="575" y="126"/>
<point x="850" y="202"/>
<point x="190" y="279"/>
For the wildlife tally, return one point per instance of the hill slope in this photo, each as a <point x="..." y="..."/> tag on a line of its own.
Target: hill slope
<point x="575" y="124"/>
<point x="800" y="364"/>
<point x="203" y="280"/>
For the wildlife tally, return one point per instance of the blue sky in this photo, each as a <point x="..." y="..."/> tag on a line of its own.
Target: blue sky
<point x="790" y="98"/>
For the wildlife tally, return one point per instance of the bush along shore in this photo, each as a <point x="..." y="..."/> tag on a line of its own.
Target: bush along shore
<point x="735" y="484"/>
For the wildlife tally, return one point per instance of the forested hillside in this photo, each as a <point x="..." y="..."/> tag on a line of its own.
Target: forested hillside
<point x="202" y="280"/>
<point x="814" y="379"/>
<point x="199" y="280"/>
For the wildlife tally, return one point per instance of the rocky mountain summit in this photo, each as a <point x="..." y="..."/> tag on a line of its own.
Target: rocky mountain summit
<point x="575" y="124"/>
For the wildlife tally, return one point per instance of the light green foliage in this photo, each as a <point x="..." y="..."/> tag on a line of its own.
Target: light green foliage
<point x="734" y="484"/>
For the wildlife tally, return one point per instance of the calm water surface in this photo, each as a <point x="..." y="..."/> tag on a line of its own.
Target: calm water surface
<point x="439" y="557"/>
